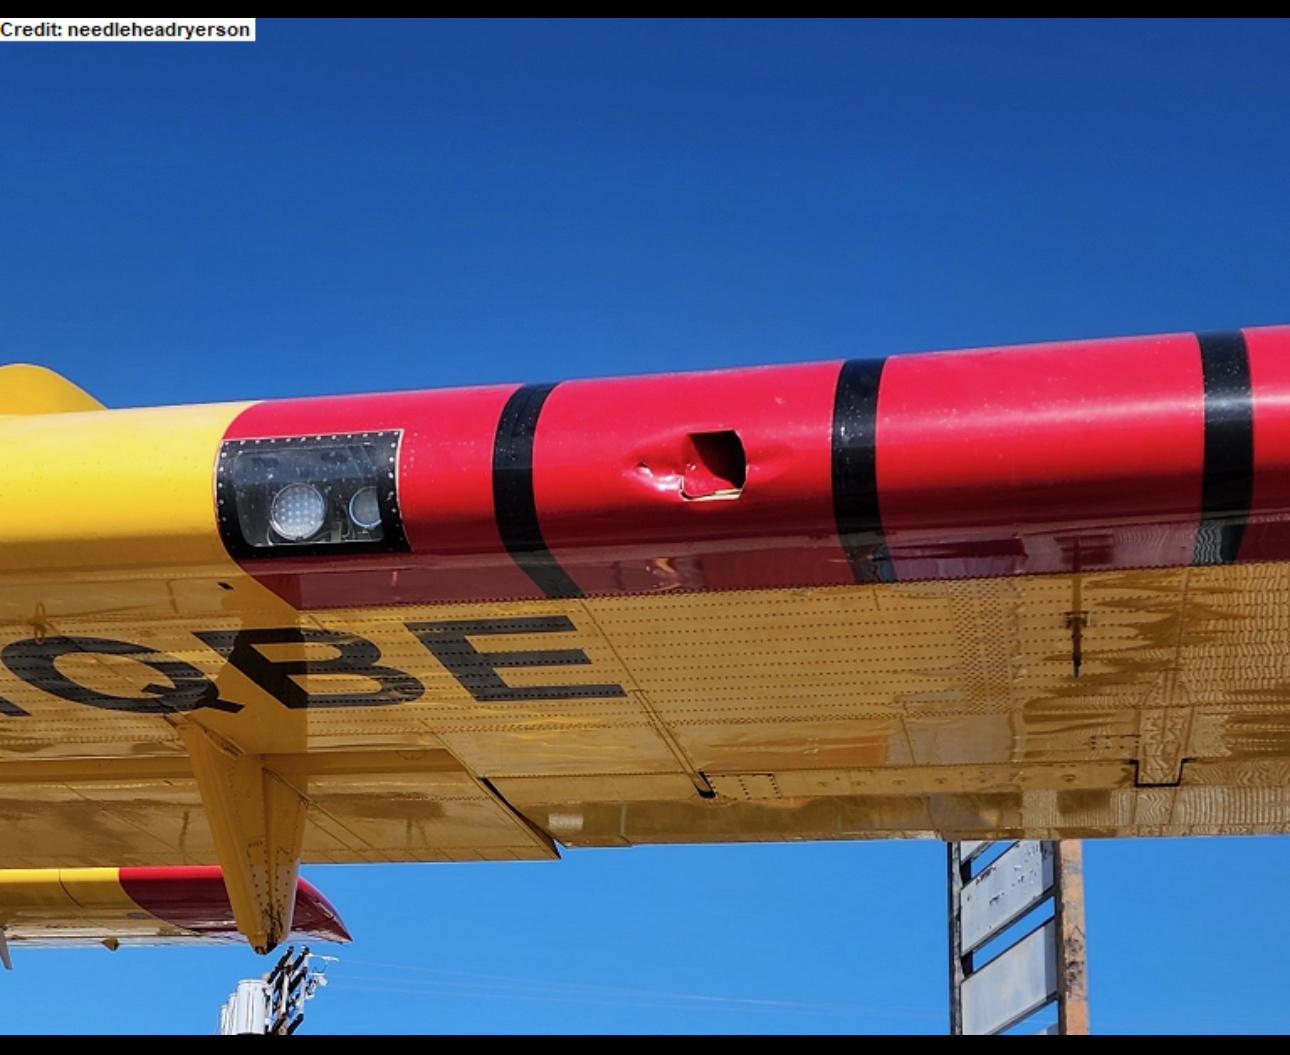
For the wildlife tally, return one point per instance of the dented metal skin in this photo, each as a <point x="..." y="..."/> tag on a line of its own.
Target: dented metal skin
<point x="1032" y="592"/>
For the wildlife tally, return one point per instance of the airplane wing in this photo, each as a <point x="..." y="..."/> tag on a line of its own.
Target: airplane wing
<point x="1036" y="591"/>
<point x="138" y="906"/>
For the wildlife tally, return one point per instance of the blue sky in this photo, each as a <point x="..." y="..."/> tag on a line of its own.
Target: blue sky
<point x="360" y="205"/>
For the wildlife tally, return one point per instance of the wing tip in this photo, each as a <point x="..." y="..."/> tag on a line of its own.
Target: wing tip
<point x="316" y="916"/>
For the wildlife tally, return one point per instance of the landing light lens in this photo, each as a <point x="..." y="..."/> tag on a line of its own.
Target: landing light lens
<point x="310" y="496"/>
<point x="298" y="512"/>
<point x="365" y="510"/>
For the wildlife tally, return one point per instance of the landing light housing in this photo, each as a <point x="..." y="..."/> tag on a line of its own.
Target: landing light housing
<point x="301" y="496"/>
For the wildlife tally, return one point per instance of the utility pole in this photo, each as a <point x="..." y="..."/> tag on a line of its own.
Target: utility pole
<point x="274" y="1005"/>
<point x="1017" y="938"/>
<point x="246" y="1013"/>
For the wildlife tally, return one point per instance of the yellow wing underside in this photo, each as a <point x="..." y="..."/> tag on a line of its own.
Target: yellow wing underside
<point x="947" y="709"/>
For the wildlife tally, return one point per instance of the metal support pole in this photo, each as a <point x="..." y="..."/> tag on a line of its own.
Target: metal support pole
<point x="1072" y="978"/>
<point x="956" y="940"/>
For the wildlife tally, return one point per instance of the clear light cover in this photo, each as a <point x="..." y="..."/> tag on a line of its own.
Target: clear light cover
<point x="306" y="495"/>
<point x="365" y="509"/>
<point x="299" y="511"/>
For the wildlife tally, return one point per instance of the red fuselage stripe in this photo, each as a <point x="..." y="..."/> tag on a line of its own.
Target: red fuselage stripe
<point x="1094" y="455"/>
<point x="193" y="897"/>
